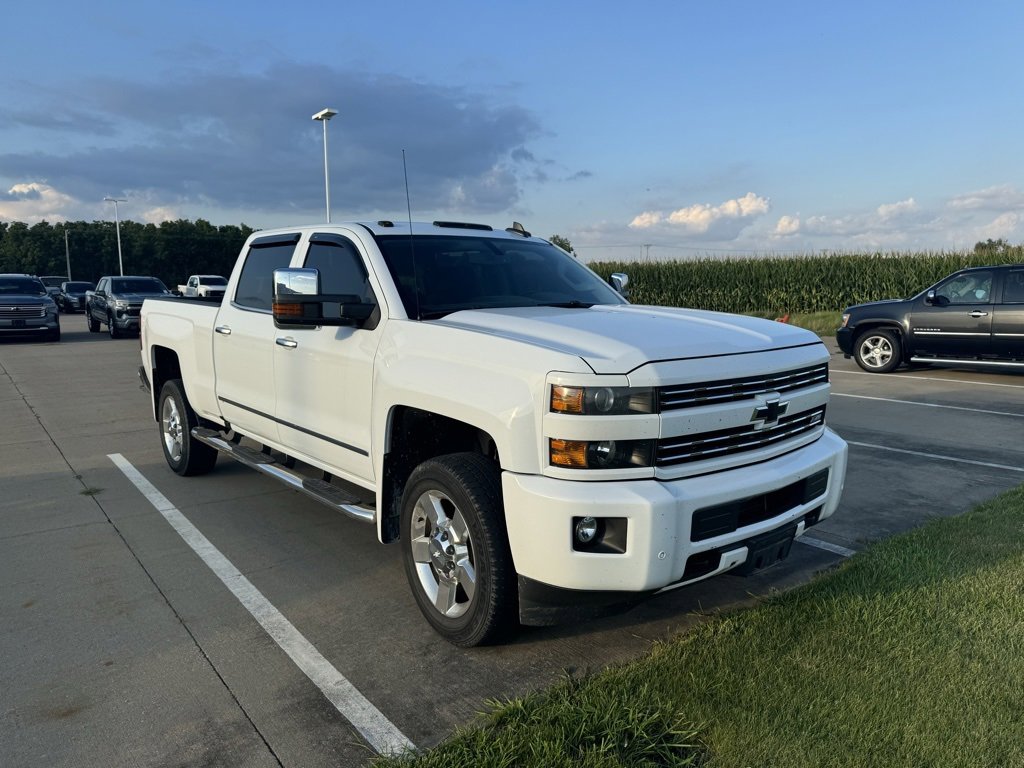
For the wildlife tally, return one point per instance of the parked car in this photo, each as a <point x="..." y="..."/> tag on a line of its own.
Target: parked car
<point x="53" y="283"/>
<point x="117" y="300"/>
<point x="72" y="295"/>
<point x="26" y="309"/>
<point x="973" y="317"/>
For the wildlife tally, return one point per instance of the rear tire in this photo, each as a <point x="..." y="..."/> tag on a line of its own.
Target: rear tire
<point x="184" y="454"/>
<point x="878" y="351"/>
<point x="455" y="549"/>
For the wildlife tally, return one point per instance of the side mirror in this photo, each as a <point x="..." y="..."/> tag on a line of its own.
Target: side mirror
<point x="929" y="298"/>
<point x="298" y="302"/>
<point x="620" y="282"/>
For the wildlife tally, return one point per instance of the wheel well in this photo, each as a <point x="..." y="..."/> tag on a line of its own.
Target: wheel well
<point x="414" y="436"/>
<point x="165" y="368"/>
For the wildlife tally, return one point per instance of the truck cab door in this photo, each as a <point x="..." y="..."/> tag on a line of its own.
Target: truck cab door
<point x="323" y="375"/>
<point x="956" y="321"/>
<point x="243" y="340"/>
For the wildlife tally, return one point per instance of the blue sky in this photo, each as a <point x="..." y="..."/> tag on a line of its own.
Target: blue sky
<point x="685" y="127"/>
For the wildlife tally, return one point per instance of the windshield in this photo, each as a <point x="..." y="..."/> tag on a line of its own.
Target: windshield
<point x="212" y="280"/>
<point x="52" y="282"/>
<point x="78" y="287"/>
<point x="137" y="285"/>
<point x="449" y="274"/>
<point x="29" y="285"/>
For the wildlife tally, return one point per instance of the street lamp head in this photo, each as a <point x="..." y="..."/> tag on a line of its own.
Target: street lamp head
<point x="325" y="114"/>
<point x="115" y="200"/>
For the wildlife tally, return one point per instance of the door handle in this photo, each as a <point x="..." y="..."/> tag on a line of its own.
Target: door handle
<point x="224" y="329"/>
<point x="288" y="343"/>
<point x="978" y="313"/>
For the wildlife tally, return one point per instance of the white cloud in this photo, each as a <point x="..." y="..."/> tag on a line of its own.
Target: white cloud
<point x="34" y="201"/>
<point x="161" y="214"/>
<point x="786" y="226"/>
<point x="996" y="198"/>
<point x="707" y="222"/>
<point x="646" y="220"/>
<point x="1003" y="226"/>
<point x="888" y="211"/>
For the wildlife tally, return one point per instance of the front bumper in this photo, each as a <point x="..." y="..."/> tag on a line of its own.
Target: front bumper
<point x="659" y="549"/>
<point x="844" y="338"/>
<point x="30" y="327"/>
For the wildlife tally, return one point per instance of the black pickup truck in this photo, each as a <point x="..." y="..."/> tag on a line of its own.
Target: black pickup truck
<point x="974" y="317"/>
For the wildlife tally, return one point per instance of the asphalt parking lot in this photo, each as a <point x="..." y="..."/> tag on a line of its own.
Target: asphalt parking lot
<point x="122" y="646"/>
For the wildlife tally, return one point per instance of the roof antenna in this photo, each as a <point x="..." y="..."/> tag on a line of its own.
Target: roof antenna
<point x="412" y="243"/>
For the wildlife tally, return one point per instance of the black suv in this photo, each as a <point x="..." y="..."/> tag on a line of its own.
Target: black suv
<point x="26" y="309"/>
<point x="973" y="317"/>
<point x="117" y="302"/>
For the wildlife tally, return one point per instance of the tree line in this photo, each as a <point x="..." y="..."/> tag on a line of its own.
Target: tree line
<point x="171" y="251"/>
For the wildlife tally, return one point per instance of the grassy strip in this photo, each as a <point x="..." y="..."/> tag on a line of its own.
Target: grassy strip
<point x="910" y="654"/>
<point x="822" y="323"/>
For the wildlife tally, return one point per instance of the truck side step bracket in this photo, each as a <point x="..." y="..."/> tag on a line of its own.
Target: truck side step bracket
<point x="325" y="493"/>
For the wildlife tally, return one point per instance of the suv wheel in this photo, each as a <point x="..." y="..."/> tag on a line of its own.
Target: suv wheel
<point x="94" y="324"/>
<point x="878" y="351"/>
<point x="114" y="332"/>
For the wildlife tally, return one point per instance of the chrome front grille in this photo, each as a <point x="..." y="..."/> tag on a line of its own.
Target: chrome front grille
<point x="725" y="442"/>
<point x="713" y="392"/>
<point x="21" y="313"/>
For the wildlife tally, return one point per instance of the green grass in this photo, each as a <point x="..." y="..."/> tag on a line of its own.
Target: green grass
<point x="822" y="323"/>
<point x="909" y="654"/>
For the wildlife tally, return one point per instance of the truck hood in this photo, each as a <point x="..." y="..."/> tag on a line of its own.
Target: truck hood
<point x="619" y="339"/>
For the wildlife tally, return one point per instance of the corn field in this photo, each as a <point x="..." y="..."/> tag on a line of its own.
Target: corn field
<point x="814" y="283"/>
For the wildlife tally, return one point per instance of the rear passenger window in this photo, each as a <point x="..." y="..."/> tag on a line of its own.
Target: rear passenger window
<point x="256" y="283"/>
<point x="1013" y="287"/>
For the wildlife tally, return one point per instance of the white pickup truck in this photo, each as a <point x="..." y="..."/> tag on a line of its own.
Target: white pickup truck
<point x="540" y="449"/>
<point x="211" y="286"/>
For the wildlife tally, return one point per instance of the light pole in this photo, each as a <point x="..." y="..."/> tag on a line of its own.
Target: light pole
<point x="117" y="224"/>
<point x="324" y="115"/>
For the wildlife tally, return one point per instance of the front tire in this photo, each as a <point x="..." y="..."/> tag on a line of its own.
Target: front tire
<point x="112" y="328"/>
<point x="878" y="351"/>
<point x="184" y="454"/>
<point x="455" y="549"/>
<point x="94" y="324"/>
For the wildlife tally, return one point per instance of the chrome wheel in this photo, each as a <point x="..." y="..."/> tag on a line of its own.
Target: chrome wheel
<point x="875" y="351"/>
<point x="170" y="418"/>
<point x="442" y="551"/>
<point x="878" y="350"/>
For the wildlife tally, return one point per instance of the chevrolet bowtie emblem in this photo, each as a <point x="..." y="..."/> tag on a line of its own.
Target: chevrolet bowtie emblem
<point x="767" y="415"/>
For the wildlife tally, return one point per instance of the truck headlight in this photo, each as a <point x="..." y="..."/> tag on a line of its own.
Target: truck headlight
<point x="600" y="454"/>
<point x="846" y="319"/>
<point x="602" y="401"/>
<point x="121" y="304"/>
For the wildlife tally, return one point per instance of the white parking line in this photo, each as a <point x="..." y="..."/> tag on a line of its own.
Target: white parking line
<point x="938" y="379"/>
<point x="827" y="546"/>
<point x="378" y="731"/>
<point x="929" y="405"/>
<point x="937" y="456"/>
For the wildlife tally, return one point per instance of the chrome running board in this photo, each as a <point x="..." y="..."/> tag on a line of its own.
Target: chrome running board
<point x="322" y="491"/>
<point x="951" y="361"/>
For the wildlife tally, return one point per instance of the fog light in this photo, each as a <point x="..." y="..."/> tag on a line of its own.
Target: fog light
<point x="586" y="530"/>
